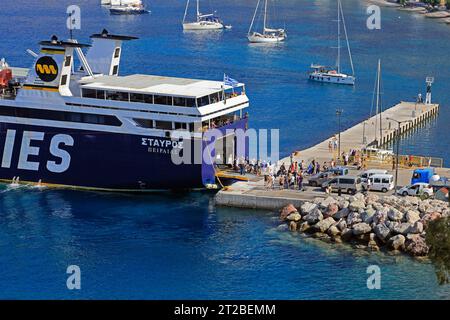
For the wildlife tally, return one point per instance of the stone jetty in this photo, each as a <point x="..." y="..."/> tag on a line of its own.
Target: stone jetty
<point x="368" y="221"/>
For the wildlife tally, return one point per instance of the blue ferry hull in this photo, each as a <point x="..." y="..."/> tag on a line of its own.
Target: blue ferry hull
<point x="98" y="160"/>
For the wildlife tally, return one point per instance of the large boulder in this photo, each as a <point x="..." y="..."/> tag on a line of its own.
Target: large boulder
<point x="326" y="202"/>
<point x="367" y="215"/>
<point x="361" y="228"/>
<point x="416" y="246"/>
<point x="293" y="226"/>
<point x="382" y="232"/>
<point x="412" y="216"/>
<point x="372" y="198"/>
<point x="373" y="245"/>
<point x="395" y="215"/>
<point x="400" y="228"/>
<point x="397" y="242"/>
<point x="333" y="231"/>
<point x="307" y="208"/>
<point x="287" y="210"/>
<point x="313" y="217"/>
<point x="414" y="228"/>
<point x="304" y="227"/>
<point x="353" y="218"/>
<point x="341" y="225"/>
<point x="343" y="204"/>
<point x="380" y="215"/>
<point x="356" y="205"/>
<point x="430" y="217"/>
<point x="294" y="217"/>
<point x="343" y="213"/>
<point x="331" y="210"/>
<point x="323" y="225"/>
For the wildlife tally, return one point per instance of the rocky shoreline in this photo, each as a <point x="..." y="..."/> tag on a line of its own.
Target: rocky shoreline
<point x="368" y="221"/>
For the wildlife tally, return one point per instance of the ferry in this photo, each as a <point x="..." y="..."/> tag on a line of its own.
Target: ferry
<point x="79" y="124"/>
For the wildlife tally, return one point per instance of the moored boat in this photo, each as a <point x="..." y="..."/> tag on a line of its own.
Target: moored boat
<point x="203" y="21"/>
<point x="321" y="73"/>
<point x="85" y="126"/>
<point x="268" y="35"/>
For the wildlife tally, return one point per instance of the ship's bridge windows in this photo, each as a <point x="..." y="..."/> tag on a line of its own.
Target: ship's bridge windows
<point x="164" y="125"/>
<point x="203" y="101"/>
<point x="89" y="93"/>
<point x="165" y="100"/>
<point x="137" y="97"/>
<point x="215" y="97"/>
<point x="180" y="102"/>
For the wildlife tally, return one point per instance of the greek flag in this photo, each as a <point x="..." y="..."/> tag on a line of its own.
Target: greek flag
<point x="230" y="81"/>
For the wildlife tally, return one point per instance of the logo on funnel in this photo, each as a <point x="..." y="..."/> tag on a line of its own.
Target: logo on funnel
<point x="46" y="69"/>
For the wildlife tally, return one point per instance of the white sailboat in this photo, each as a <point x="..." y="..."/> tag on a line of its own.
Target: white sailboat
<point x="203" y="22"/>
<point x="268" y="35"/>
<point x="335" y="75"/>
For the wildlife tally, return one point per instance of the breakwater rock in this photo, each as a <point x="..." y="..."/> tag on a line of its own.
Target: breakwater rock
<point x="369" y="221"/>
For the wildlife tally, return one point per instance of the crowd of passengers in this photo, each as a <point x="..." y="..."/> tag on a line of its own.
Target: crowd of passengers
<point x="282" y="176"/>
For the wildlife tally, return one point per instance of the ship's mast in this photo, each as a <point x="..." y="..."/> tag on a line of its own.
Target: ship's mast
<point x="339" y="39"/>
<point x="265" y="16"/>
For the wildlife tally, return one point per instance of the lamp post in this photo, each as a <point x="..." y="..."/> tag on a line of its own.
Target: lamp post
<point x="339" y="113"/>
<point x="364" y="139"/>
<point x="397" y="137"/>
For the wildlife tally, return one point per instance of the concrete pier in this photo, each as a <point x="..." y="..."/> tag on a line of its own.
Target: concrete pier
<point x="253" y="194"/>
<point x="353" y="138"/>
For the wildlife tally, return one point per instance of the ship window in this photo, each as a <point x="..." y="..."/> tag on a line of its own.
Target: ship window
<point x="136" y="97"/>
<point x="89" y="93"/>
<point x="144" y="123"/>
<point x="214" y="98"/>
<point x="203" y="101"/>
<point x="148" y="98"/>
<point x="64" y="80"/>
<point x="165" y="125"/>
<point x="181" y="126"/>
<point x="116" y="53"/>
<point x="68" y="61"/>
<point x="190" y="103"/>
<point x="163" y="100"/>
<point x="100" y="94"/>
<point x="181" y="102"/>
<point x="60" y="116"/>
<point x="115" y="70"/>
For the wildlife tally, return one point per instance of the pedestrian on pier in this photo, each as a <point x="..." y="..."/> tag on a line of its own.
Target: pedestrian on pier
<point x="330" y="146"/>
<point x="300" y="181"/>
<point x="317" y="167"/>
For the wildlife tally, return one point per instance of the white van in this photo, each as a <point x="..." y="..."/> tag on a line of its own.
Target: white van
<point x="379" y="182"/>
<point x="367" y="174"/>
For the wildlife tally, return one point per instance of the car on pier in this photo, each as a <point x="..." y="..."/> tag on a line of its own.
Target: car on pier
<point x="417" y="189"/>
<point x="318" y="179"/>
<point x="349" y="184"/>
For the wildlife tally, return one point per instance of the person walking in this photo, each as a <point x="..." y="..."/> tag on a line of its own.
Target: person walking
<point x="300" y="181"/>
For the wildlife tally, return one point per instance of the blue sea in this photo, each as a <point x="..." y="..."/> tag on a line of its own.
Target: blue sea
<point x="180" y="245"/>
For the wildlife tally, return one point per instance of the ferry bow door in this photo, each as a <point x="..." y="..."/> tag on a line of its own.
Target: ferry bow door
<point x="225" y="151"/>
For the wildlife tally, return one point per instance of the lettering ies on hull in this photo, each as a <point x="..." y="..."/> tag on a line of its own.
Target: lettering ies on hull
<point x="30" y="153"/>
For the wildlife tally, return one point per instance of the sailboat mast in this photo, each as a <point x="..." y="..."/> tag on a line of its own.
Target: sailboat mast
<point x="254" y="16"/>
<point x="378" y="109"/>
<point x="198" y="8"/>
<point x="379" y="99"/>
<point x="265" y="16"/>
<point x="185" y="11"/>
<point x="346" y="39"/>
<point x="339" y="39"/>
